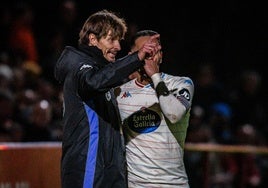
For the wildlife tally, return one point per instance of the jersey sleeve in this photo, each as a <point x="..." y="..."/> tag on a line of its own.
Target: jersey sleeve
<point x="175" y="95"/>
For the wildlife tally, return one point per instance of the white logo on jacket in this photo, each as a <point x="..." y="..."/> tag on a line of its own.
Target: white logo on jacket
<point x="108" y="96"/>
<point x="85" y="67"/>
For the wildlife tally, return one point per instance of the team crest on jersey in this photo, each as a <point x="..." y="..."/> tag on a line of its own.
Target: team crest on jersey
<point x="108" y="96"/>
<point x="143" y="121"/>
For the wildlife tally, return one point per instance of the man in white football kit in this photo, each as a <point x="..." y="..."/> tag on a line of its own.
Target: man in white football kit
<point x="155" y="109"/>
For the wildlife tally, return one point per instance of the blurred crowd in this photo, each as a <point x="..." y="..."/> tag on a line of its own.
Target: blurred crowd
<point x="31" y="100"/>
<point x="229" y="115"/>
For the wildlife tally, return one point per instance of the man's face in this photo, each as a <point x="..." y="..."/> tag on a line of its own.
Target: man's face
<point x="140" y="42"/>
<point x="109" y="47"/>
<point x="157" y="58"/>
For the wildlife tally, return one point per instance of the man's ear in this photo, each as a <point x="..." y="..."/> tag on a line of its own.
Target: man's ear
<point x="92" y="39"/>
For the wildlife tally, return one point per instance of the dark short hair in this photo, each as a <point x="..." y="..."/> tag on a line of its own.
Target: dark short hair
<point x="142" y="33"/>
<point x="100" y="23"/>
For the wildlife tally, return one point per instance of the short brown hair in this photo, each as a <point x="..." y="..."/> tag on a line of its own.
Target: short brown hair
<point x="100" y="23"/>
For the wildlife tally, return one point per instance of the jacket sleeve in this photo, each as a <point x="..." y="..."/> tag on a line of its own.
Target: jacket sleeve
<point x="113" y="74"/>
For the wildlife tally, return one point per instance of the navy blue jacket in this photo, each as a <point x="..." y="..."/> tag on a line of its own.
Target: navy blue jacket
<point x="93" y="153"/>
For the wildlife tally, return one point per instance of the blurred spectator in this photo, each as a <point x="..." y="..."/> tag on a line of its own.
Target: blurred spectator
<point x="198" y="132"/>
<point x="39" y="121"/>
<point x="51" y="55"/>
<point x="240" y="170"/>
<point x="208" y="90"/>
<point x="6" y="76"/>
<point x="10" y="130"/>
<point x="22" y="41"/>
<point x="57" y="111"/>
<point x="247" y="101"/>
<point x="223" y="167"/>
<point x="220" y="123"/>
<point x="249" y="174"/>
<point x="223" y="170"/>
<point x="25" y="99"/>
<point x="45" y="89"/>
<point x="19" y="80"/>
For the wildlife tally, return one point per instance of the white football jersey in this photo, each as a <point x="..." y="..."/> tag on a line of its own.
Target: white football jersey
<point x="154" y="146"/>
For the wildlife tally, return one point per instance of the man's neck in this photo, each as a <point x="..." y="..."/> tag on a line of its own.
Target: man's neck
<point x="143" y="81"/>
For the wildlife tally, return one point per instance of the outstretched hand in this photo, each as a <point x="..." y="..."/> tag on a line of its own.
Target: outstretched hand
<point x="150" y="48"/>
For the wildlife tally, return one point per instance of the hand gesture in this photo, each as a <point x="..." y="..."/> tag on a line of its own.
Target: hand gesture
<point x="152" y="64"/>
<point x="150" y="48"/>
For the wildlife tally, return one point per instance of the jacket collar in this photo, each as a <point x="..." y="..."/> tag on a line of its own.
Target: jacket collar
<point x="95" y="53"/>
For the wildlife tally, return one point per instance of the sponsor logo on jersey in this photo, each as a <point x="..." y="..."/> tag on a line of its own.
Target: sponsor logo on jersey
<point x="126" y="94"/>
<point x="143" y="121"/>
<point x="185" y="93"/>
